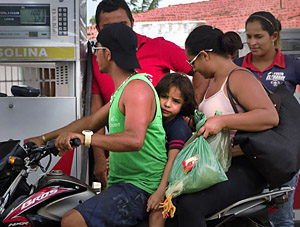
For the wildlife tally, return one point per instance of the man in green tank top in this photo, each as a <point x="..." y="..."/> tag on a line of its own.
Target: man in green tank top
<point x="136" y="138"/>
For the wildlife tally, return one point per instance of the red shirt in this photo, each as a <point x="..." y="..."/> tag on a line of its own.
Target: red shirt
<point x="156" y="56"/>
<point x="278" y="61"/>
<point x="284" y="68"/>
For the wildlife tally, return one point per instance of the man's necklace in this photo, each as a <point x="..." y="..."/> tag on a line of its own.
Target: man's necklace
<point x="114" y="94"/>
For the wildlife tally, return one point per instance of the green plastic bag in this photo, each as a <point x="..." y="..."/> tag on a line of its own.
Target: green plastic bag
<point x="220" y="143"/>
<point x="221" y="146"/>
<point x="205" y="169"/>
<point x="195" y="168"/>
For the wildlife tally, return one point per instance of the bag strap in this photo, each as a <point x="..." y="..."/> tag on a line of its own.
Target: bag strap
<point x="275" y="98"/>
<point x="231" y="96"/>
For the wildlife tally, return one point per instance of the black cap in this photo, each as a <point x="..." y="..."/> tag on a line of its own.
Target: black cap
<point x="122" y="41"/>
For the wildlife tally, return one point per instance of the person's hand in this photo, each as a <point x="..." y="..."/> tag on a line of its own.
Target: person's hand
<point x="212" y="126"/>
<point x="62" y="142"/>
<point x="297" y="88"/>
<point x="155" y="199"/>
<point x="100" y="172"/>
<point x="37" y="140"/>
<point x="190" y="122"/>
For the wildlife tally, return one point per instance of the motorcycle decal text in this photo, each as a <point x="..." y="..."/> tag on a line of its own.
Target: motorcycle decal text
<point x="39" y="197"/>
<point x="32" y="201"/>
<point x="26" y="224"/>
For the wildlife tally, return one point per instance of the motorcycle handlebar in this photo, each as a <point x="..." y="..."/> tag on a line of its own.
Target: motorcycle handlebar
<point x="75" y="142"/>
<point x="51" y="145"/>
<point x="36" y="153"/>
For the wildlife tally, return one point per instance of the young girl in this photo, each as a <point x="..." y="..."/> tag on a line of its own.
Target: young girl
<point x="177" y="99"/>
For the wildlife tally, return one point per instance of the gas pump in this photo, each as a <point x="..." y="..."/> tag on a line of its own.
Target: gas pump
<point x="42" y="45"/>
<point x="290" y="44"/>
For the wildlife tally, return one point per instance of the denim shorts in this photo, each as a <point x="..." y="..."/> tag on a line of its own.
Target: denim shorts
<point x="122" y="204"/>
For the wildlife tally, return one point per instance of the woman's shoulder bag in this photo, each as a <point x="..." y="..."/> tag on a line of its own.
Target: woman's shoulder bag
<point x="275" y="152"/>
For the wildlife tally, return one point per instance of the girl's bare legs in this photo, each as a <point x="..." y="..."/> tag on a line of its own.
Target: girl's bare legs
<point x="156" y="219"/>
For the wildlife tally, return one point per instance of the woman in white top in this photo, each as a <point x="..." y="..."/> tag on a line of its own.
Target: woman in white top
<point x="207" y="49"/>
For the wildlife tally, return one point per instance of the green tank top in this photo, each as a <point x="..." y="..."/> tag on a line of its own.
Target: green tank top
<point x="142" y="168"/>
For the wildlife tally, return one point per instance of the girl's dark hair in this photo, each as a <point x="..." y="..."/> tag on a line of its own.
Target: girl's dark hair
<point x="206" y="37"/>
<point x="185" y="86"/>
<point x="107" y="6"/>
<point x="268" y="23"/>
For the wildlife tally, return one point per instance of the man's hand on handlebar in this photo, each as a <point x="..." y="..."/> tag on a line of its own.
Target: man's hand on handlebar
<point x="62" y="142"/>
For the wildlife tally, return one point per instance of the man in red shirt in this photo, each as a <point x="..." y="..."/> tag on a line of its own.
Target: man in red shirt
<point x="156" y="56"/>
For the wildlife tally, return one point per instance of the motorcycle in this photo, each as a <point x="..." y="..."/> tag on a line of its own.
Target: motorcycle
<point x="40" y="204"/>
<point x="252" y="211"/>
<point x="54" y="194"/>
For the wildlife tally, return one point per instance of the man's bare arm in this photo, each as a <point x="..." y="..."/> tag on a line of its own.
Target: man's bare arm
<point x="137" y="103"/>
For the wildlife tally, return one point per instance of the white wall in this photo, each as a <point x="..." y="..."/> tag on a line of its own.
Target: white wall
<point x="175" y="31"/>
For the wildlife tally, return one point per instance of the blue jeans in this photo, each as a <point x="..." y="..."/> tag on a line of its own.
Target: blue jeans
<point x="284" y="216"/>
<point x="121" y="204"/>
